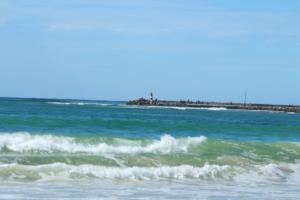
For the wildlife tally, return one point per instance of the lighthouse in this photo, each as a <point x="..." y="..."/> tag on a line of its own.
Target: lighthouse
<point x="151" y="98"/>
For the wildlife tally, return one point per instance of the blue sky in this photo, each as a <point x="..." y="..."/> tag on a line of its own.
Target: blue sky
<point x="123" y="49"/>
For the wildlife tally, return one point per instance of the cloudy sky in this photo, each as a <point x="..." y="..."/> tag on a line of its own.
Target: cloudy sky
<point x="123" y="49"/>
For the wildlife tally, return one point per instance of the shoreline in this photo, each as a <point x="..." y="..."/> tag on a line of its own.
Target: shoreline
<point x="206" y="104"/>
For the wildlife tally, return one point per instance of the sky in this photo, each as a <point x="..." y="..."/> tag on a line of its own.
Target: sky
<point x="214" y="50"/>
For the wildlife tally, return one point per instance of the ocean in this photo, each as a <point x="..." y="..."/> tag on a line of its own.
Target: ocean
<point x="79" y="149"/>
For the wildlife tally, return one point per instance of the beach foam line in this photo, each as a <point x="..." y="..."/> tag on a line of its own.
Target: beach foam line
<point x="25" y="142"/>
<point x="289" y="173"/>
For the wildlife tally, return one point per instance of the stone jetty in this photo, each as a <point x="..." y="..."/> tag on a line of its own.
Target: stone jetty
<point x="205" y="104"/>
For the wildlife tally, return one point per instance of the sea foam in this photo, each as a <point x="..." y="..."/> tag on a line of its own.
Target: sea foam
<point x="59" y="171"/>
<point x="25" y="142"/>
<point x="79" y="103"/>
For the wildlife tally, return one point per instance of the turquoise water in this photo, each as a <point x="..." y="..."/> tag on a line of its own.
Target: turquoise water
<point x="107" y="150"/>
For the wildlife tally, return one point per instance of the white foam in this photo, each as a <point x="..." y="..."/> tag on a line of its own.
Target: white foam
<point x="79" y="103"/>
<point x="59" y="103"/>
<point x="61" y="171"/>
<point x="173" y="107"/>
<point x="280" y="172"/>
<point x="216" y="109"/>
<point x="24" y="142"/>
<point x="287" y="173"/>
<point x="140" y="107"/>
<point x="189" y="108"/>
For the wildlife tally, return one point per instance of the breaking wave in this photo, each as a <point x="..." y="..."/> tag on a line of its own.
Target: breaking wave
<point x="80" y="103"/>
<point x="167" y="158"/>
<point x="25" y="142"/>
<point x="192" y="108"/>
<point x="175" y="107"/>
<point x="59" y="171"/>
<point x="118" y="105"/>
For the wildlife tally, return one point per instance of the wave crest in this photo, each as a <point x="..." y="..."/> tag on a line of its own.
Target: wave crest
<point x="25" y="142"/>
<point x="59" y="171"/>
<point x="79" y="103"/>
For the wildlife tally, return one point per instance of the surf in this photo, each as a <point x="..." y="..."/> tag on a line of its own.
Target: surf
<point x="271" y="173"/>
<point x="25" y="142"/>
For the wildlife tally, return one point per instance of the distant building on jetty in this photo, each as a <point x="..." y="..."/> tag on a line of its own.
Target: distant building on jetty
<point x="151" y="98"/>
<point x="204" y="104"/>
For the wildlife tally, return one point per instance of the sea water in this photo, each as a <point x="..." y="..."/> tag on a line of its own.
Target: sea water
<point x="78" y="149"/>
